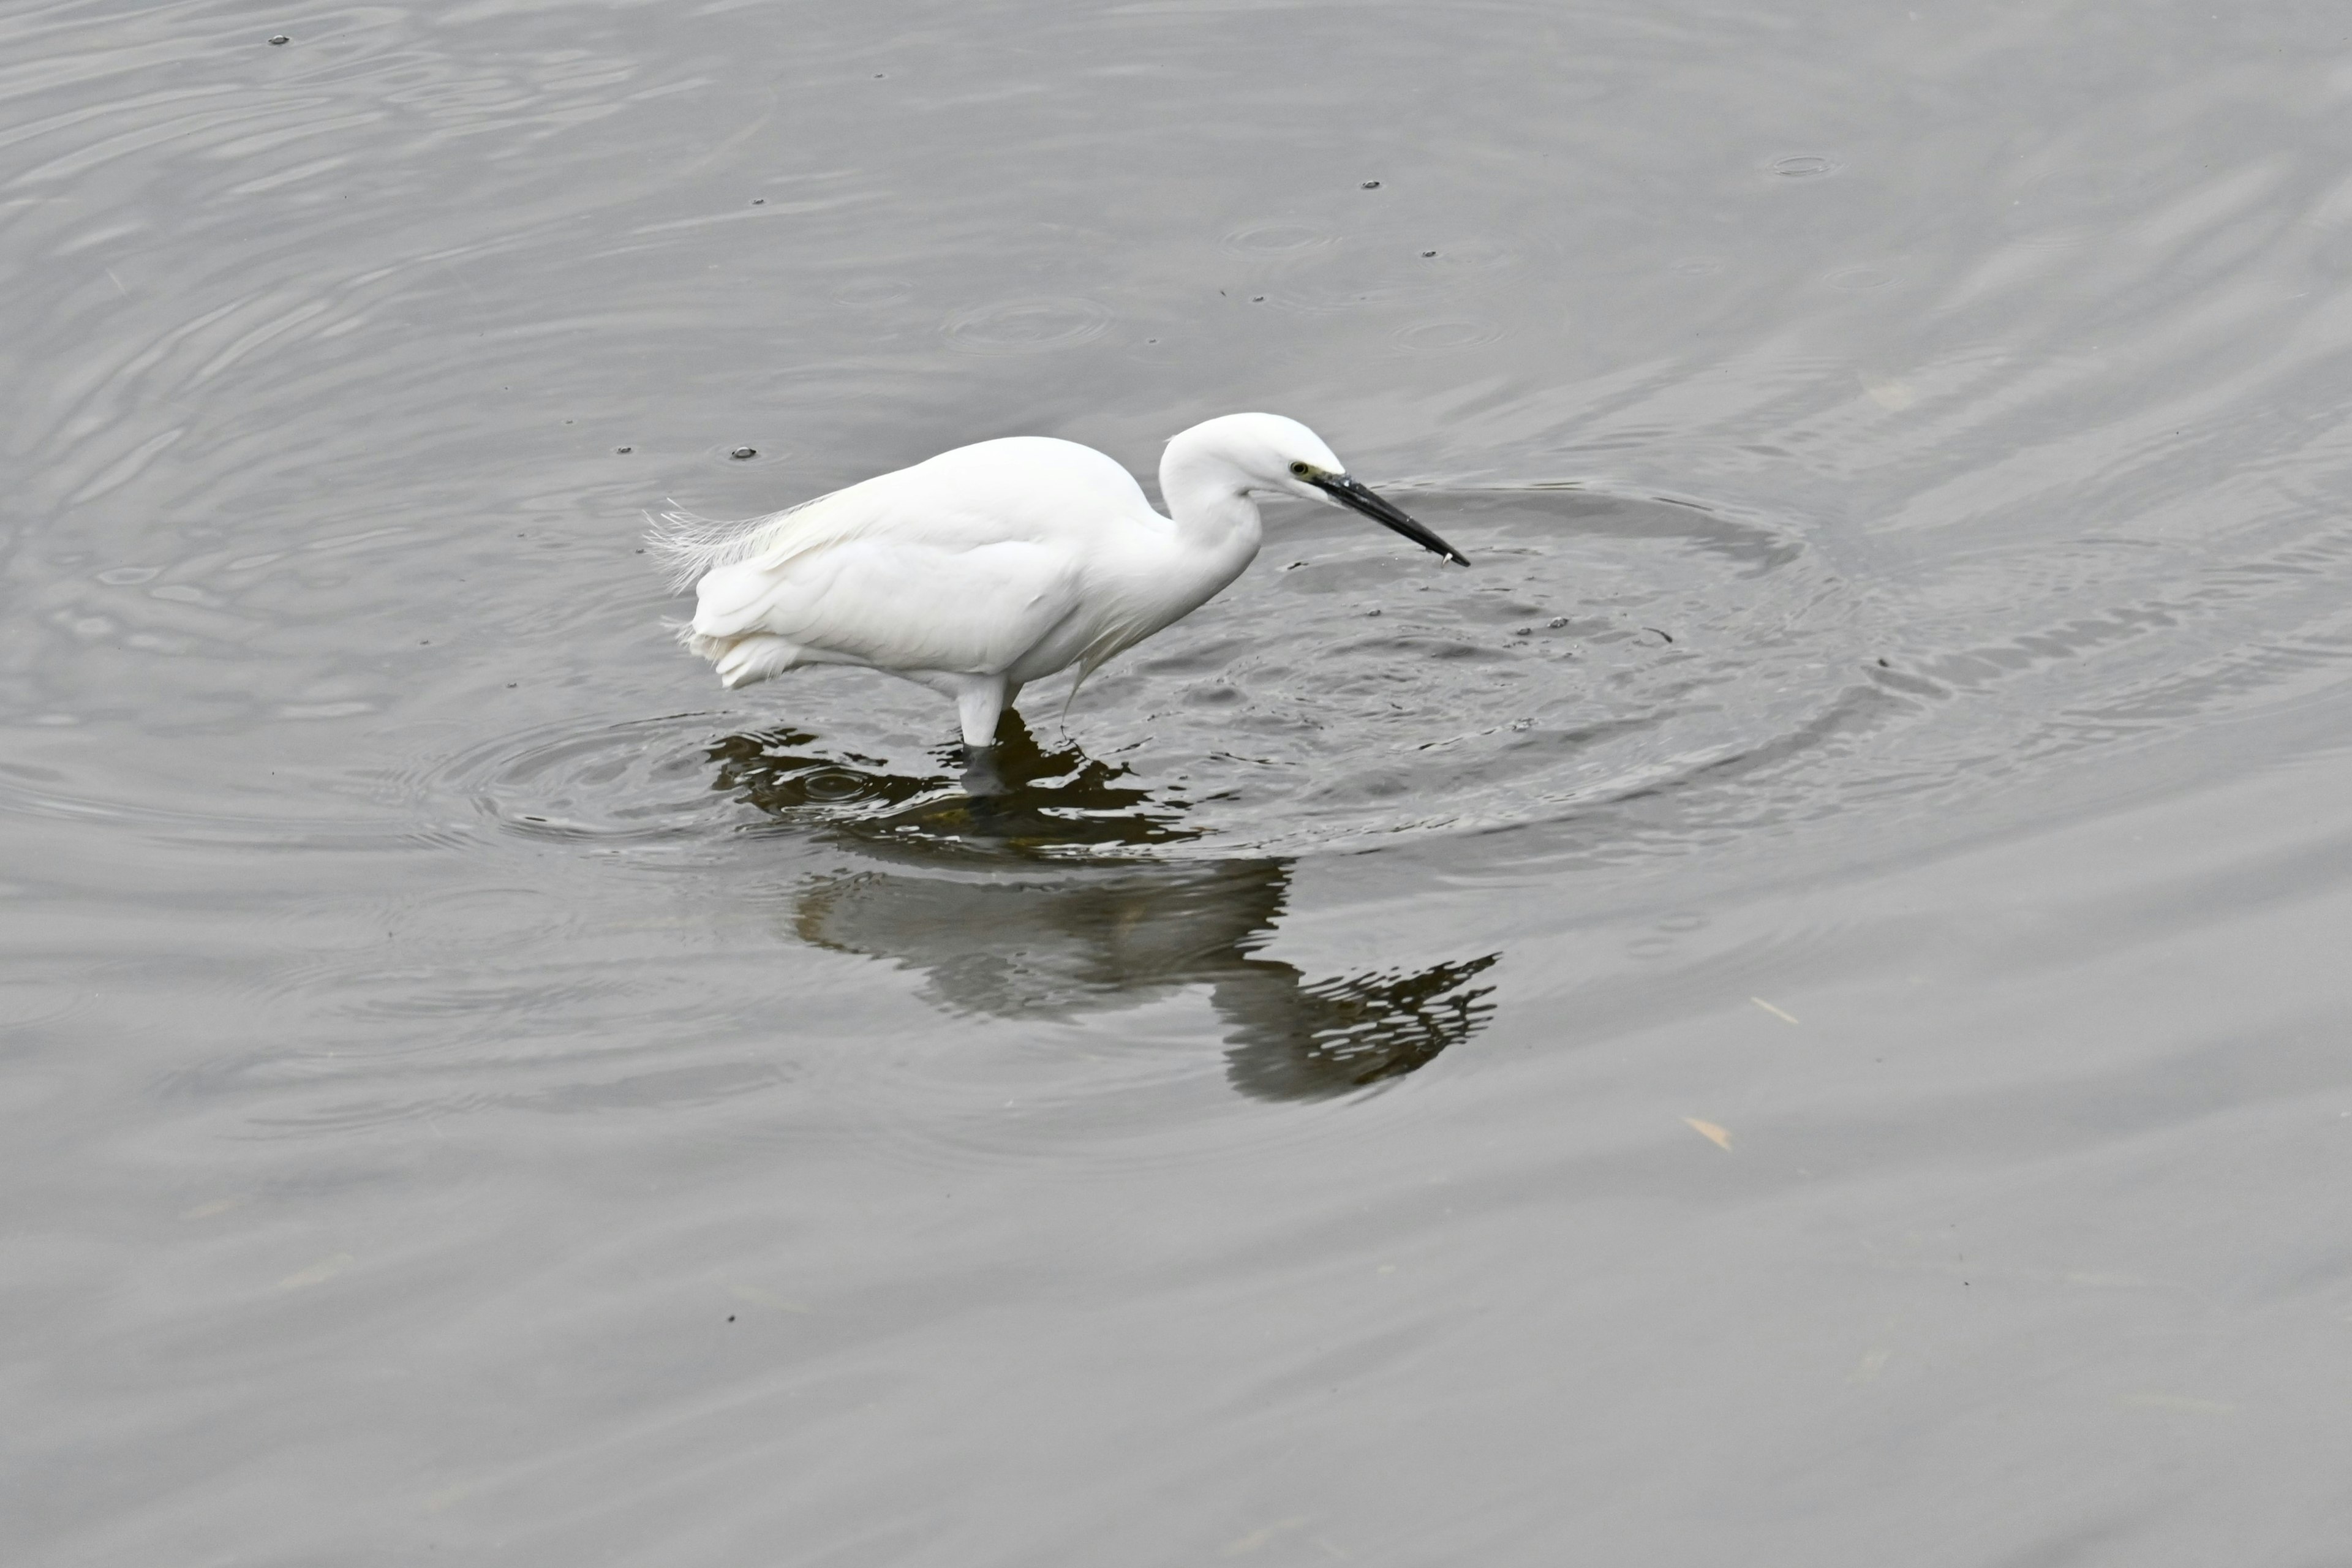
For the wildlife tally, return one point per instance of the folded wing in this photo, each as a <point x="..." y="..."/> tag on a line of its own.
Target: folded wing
<point x="895" y="603"/>
<point x="961" y="563"/>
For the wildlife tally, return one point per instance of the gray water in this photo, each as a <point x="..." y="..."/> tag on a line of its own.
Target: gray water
<point x="1795" y="1013"/>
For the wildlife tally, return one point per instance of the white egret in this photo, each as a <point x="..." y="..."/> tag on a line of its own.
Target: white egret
<point x="992" y="566"/>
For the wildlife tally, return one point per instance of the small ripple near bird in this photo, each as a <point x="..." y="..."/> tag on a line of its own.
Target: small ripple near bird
<point x="987" y="567"/>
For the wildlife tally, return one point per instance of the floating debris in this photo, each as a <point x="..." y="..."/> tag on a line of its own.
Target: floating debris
<point x="739" y="453"/>
<point x="1708" y="1131"/>
<point x="1784" y="1017"/>
<point x="318" y="1273"/>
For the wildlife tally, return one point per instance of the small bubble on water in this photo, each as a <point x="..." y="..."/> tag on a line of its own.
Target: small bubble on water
<point x="739" y="453"/>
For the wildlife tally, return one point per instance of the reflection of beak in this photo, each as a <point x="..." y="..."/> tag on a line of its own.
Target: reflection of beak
<point x="1349" y="493"/>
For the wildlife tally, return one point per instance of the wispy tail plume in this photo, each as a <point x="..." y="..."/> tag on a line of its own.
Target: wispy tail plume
<point x="687" y="545"/>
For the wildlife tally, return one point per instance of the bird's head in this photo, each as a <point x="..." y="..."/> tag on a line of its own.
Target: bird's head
<point x="1265" y="453"/>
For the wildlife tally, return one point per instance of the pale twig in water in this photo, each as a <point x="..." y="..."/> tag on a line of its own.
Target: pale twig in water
<point x="1708" y="1131"/>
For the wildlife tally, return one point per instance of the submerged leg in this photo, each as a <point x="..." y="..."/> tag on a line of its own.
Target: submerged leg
<point x="982" y="779"/>
<point x="980" y="703"/>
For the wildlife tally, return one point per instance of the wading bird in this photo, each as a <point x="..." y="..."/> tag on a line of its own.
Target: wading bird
<point x="992" y="566"/>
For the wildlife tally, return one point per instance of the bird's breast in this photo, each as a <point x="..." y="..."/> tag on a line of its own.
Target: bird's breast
<point x="1156" y="592"/>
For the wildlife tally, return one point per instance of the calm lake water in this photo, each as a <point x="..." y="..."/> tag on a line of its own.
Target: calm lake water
<point x="1795" y="1013"/>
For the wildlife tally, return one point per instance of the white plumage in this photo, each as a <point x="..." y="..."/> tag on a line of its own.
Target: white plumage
<point x="992" y="566"/>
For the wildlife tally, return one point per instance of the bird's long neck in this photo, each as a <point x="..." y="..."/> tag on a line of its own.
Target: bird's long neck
<point x="1215" y="539"/>
<point x="1208" y="501"/>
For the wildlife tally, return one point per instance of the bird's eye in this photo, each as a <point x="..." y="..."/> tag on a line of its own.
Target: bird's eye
<point x="1300" y="469"/>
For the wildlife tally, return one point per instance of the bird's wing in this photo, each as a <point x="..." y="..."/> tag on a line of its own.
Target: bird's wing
<point x="1017" y="489"/>
<point x="898" y="603"/>
<point x="963" y="563"/>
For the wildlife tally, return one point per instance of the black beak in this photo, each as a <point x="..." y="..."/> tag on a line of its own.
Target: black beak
<point x="1349" y="493"/>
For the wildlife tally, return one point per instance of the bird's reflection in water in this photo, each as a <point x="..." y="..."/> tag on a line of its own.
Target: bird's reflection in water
<point x="986" y="898"/>
<point x="1025" y="804"/>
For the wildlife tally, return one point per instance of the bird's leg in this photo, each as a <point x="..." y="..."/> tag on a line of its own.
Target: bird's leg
<point x="980" y="702"/>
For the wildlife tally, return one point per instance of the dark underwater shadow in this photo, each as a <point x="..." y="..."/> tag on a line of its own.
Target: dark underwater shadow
<point x="1028" y="801"/>
<point x="1035" y="902"/>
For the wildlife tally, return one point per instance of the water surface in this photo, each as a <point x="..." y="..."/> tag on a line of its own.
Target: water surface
<point x="1790" y="1014"/>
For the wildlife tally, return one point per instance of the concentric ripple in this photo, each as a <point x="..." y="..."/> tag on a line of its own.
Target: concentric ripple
<point x="1026" y="326"/>
<point x="1351" y="689"/>
<point x="689" y="779"/>
<point x="642" y="782"/>
<point x="1279" y="236"/>
<point x="1347" y="692"/>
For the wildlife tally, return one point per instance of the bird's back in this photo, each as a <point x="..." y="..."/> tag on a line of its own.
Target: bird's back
<point x="1031" y="486"/>
<point x="963" y="562"/>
